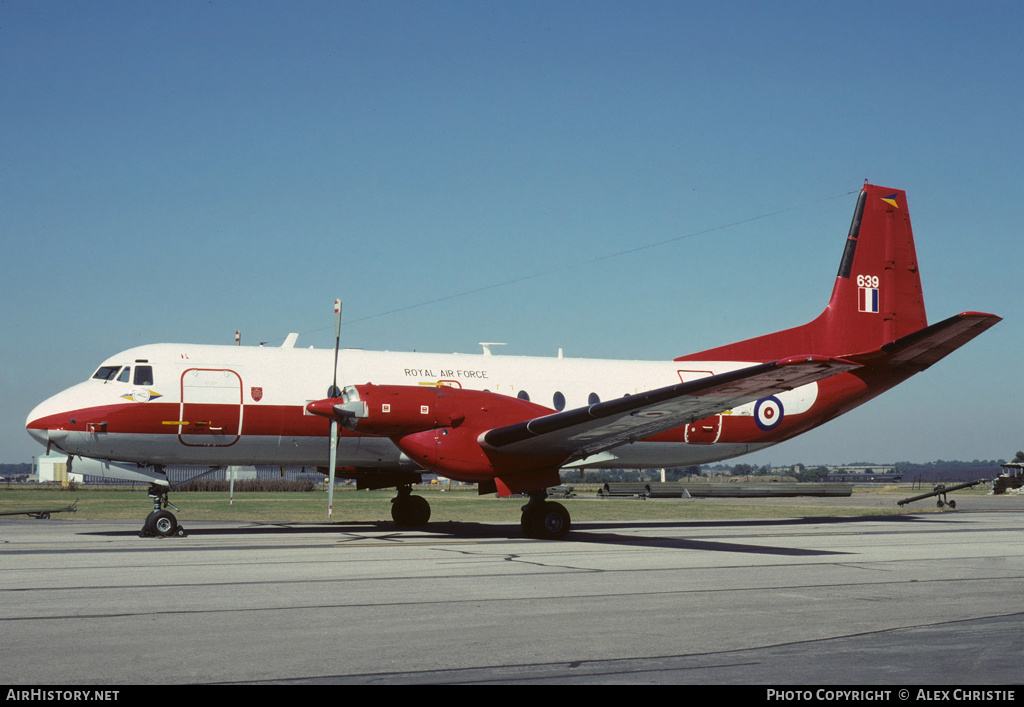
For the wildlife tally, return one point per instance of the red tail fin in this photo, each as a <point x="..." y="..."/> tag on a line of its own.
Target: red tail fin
<point x="877" y="295"/>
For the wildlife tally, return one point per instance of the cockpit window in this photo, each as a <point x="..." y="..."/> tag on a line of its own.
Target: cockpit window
<point x="105" y="373"/>
<point x="125" y="375"/>
<point x="143" y="375"/>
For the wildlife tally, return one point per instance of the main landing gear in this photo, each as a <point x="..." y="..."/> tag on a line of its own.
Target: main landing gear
<point x="409" y="511"/>
<point x="161" y="523"/>
<point x="543" y="519"/>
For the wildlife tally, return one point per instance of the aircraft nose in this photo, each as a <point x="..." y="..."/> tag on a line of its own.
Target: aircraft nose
<point x="41" y="424"/>
<point x="37" y="434"/>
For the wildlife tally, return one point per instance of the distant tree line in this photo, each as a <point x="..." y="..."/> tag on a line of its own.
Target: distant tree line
<point x="602" y="476"/>
<point x="940" y="463"/>
<point x="800" y="472"/>
<point x="10" y="471"/>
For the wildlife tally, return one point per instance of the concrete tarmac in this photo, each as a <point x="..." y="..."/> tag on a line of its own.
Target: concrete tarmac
<point x="930" y="599"/>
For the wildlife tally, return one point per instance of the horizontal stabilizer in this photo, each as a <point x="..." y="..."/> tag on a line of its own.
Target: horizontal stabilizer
<point x="916" y="352"/>
<point x="585" y="431"/>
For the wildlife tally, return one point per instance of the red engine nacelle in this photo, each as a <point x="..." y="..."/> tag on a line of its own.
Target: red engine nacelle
<point x="383" y="410"/>
<point x="438" y="427"/>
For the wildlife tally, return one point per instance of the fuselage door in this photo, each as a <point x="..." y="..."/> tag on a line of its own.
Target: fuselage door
<point x="704" y="431"/>
<point x="211" y="407"/>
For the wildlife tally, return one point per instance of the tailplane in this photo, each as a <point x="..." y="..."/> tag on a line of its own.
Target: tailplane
<point x="877" y="295"/>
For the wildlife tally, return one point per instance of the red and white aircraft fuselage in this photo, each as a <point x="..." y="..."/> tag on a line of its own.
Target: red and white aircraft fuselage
<point x="510" y="423"/>
<point x="229" y="405"/>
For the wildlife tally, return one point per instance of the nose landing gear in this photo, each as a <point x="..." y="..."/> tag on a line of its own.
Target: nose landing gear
<point x="161" y="523"/>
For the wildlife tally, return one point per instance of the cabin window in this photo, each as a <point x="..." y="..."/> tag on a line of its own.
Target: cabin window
<point x="143" y="375"/>
<point x="559" y="401"/>
<point x="523" y="395"/>
<point x="593" y="399"/>
<point x="105" y="373"/>
<point x="125" y="376"/>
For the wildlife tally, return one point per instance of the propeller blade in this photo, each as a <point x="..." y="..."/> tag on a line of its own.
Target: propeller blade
<point x="334" y="461"/>
<point x="334" y="393"/>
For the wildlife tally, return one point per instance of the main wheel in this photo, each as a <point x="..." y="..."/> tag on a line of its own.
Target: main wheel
<point x="548" y="521"/>
<point x="410" y="511"/>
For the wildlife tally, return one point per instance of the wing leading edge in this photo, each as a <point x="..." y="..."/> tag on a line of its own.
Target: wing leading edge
<point x="585" y="431"/>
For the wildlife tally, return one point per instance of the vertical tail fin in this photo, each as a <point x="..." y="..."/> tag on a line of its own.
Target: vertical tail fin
<point x="876" y="298"/>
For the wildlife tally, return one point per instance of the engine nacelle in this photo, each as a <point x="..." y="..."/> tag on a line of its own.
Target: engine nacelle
<point x="439" y="427"/>
<point x="382" y="410"/>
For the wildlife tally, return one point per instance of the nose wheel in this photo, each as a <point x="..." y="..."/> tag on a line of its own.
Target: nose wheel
<point x="161" y="523"/>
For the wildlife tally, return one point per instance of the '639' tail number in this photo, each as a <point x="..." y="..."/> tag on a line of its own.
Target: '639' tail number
<point x="867" y="281"/>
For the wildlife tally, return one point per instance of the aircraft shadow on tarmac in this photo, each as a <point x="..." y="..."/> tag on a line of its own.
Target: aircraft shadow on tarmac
<point x="583" y="532"/>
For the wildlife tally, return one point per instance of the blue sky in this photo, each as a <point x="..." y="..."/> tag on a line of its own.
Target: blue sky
<point x="461" y="172"/>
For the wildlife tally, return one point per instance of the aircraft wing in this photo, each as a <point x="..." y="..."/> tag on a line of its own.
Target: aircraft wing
<point x="589" y="430"/>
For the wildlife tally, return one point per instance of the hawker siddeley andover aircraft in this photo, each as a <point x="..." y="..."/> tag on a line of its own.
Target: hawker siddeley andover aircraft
<point x="509" y="423"/>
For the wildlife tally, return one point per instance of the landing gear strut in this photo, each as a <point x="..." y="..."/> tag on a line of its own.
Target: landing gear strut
<point x="161" y="523"/>
<point x="409" y="511"/>
<point x="543" y="519"/>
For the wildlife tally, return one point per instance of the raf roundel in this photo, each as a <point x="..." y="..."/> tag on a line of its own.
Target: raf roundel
<point x="768" y="413"/>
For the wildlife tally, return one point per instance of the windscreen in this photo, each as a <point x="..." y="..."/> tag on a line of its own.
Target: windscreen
<point x="106" y="373"/>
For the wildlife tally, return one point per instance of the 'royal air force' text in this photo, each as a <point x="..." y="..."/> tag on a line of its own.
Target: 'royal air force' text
<point x="444" y="373"/>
